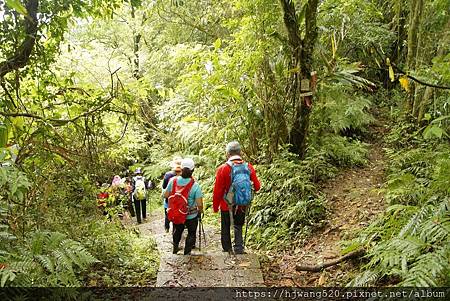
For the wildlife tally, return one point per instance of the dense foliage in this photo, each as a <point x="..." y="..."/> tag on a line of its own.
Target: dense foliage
<point x="90" y="89"/>
<point x="409" y="244"/>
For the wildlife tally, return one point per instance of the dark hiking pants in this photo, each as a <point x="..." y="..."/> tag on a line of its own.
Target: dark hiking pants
<point x="191" y="225"/>
<point x="166" y="220"/>
<point x="225" y="235"/>
<point x="140" y="205"/>
<point x="130" y="207"/>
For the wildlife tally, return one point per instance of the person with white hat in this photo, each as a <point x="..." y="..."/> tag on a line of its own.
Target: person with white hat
<point x="139" y="195"/>
<point x="185" y="205"/>
<point x="176" y="171"/>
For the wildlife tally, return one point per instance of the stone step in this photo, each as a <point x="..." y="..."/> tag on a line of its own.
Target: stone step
<point x="224" y="261"/>
<point x="211" y="278"/>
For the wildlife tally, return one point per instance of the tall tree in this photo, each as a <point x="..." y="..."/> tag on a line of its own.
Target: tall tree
<point x="301" y="63"/>
<point x="416" y="8"/>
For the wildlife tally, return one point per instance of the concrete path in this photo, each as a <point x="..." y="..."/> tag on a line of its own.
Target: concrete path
<point x="206" y="268"/>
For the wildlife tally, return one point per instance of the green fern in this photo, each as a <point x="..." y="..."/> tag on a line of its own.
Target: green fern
<point x="410" y="245"/>
<point x="51" y="259"/>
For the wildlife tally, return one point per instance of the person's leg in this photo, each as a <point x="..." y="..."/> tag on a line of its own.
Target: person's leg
<point x="191" y="225"/>
<point x="166" y="221"/>
<point x="239" y="220"/>
<point x="225" y="236"/>
<point x="144" y="208"/>
<point x="130" y="207"/>
<point x="176" y="235"/>
<point x="137" y="205"/>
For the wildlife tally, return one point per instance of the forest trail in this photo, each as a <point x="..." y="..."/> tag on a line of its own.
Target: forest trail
<point x="354" y="199"/>
<point x="208" y="267"/>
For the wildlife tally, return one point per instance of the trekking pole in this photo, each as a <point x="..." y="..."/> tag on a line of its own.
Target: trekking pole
<point x="247" y="216"/>
<point x="200" y="233"/>
<point x="203" y="230"/>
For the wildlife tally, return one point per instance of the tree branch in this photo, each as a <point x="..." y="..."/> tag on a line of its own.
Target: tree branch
<point x="320" y="267"/>
<point x="58" y="121"/>
<point x="418" y="80"/>
<point x="22" y="55"/>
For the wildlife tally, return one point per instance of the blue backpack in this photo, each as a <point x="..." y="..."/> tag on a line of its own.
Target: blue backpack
<point x="241" y="187"/>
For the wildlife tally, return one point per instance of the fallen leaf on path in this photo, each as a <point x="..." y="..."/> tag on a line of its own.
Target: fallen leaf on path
<point x="322" y="279"/>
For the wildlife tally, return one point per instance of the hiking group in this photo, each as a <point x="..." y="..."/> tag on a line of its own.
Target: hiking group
<point x="232" y="194"/>
<point x="128" y="193"/>
<point x="183" y="199"/>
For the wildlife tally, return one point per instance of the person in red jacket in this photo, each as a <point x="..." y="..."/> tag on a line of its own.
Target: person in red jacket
<point x="221" y="188"/>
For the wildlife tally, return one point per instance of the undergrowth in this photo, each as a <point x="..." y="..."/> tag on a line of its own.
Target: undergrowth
<point x="409" y="245"/>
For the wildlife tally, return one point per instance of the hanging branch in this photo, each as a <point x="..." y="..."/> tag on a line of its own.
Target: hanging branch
<point x="418" y="80"/>
<point x="58" y="121"/>
<point x="22" y="55"/>
<point x="406" y="74"/>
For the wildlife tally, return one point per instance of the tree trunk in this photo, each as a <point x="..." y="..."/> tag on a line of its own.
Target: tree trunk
<point x="136" y="43"/>
<point x="22" y="55"/>
<point x="301" y="51"/>
<point x="416" y="8"/>
<point x="429" y="91"/>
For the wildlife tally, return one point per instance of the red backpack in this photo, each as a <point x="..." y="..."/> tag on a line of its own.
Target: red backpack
<point x="178" y="202"/>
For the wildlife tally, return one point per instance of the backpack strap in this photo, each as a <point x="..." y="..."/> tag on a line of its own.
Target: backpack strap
<point x="174" y="186"/>
<point x="188" y="187"/>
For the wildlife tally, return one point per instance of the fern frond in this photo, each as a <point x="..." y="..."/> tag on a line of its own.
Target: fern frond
<point x="46" y="262"/>
<point x="429" y="268"/>
<point x="414" y="223"/>
<point x="368" y="278"/>
<point x="436" y="230"/>
<point x="63" y="262"/>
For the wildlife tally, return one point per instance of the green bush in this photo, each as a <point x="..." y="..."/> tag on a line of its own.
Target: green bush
<point x="342" y="151"/>
<point x="125" y="258"/>
<point x="287" y="207"/>
<point x="46" y="259"/>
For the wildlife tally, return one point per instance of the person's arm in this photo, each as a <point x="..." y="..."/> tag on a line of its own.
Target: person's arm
<point x="198" y="196"/>
<point x="219" y="190"/>
<point x="165" y="180"/>
<point x="199" y="202"/>
<point x="168" y="189"/>
<point x="254" y="178"/>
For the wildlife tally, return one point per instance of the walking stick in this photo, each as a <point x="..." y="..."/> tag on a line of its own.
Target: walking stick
<point x="200" y="233"/>
<point x="204" y="236"/>
<point x="246" y="223"/>
<point x="247" y="214"/>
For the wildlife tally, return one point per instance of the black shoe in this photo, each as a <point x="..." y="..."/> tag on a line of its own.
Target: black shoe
<point x="175" y="250"/>
<point x="240" y="252"/>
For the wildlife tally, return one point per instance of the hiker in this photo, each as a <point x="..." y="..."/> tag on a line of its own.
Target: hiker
<point x="139" y="195"/>
<point x="243" y="175"/>
<point x="176" y="171"/>
<point x="128" y="191"/>
<point x="185" y="200"/>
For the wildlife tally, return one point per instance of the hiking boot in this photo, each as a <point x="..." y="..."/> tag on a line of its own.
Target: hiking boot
<point x="240" y="252"/>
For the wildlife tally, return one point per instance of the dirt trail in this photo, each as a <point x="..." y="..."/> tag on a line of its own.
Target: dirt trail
<point x="354" y="199"/>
